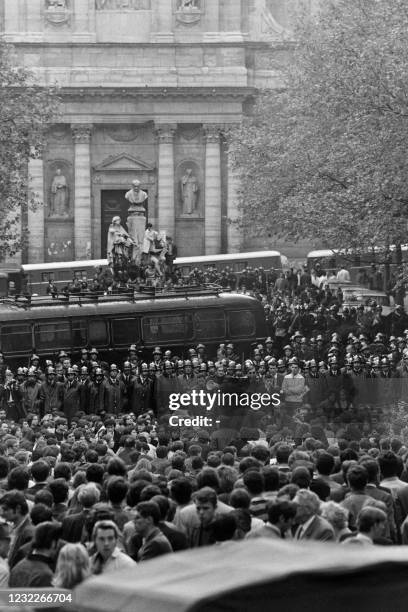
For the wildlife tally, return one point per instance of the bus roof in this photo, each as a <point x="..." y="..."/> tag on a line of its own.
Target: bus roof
<point x="9" y="311"/>
<point x="66" y="264"/>
<point x="226" y="257"/>
<point x="333" y="252"/>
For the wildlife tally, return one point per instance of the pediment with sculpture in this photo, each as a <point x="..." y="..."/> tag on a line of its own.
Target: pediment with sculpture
<point x="123" y="162"/>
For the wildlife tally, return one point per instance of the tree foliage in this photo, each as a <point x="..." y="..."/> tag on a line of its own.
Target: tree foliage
<point x="326" y="157"/>
<point x="26" y="109"/>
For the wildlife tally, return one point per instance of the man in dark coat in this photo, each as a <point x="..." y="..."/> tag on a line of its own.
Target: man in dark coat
<point x="115" y="392"/>
<point x="71" y="396"/>
<point x="37" y="569"/>
<point x="97" y="393"/>
<point x="14" y="509"/>
<point x="51" y="394"/>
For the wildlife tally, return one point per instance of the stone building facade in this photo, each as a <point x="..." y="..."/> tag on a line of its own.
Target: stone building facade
<point x="149" y="91"/>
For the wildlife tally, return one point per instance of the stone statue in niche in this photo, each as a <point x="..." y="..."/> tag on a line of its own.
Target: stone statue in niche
<point x="189" y="192"/>
<point x="59" y="206"/>
<point x="136" y="213"/>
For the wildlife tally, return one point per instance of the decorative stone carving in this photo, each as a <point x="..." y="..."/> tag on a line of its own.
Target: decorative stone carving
<point x="123" y="162"/>
<point x="57" y="12"/>
<point x="122" y="133"/>
<point x="57" y="132"/>
<point x="115" y="5"/>
<point x="189" y="133"/>
<point x="189" y="12"/>
<point x="81" y="133"/>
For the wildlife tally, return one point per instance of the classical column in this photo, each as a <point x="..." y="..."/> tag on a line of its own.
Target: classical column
<point x="212" y="190"/>
<point x="82" y="192"/>
<point x="164" y="21"/>
<point x="230" y="20"/>
<point x="233" y="234"/>
<point x="212" y="21"/>
<point x="36" y="214"/>
<point x="166" y="213"/>
<point x="11" y="19"/>
<point x="34" y="23"/>
<point x="84" y="16"/>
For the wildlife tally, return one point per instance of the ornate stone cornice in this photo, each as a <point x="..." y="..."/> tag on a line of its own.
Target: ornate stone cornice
<point x="81" y="133"/>
<point x="146" y="93"/>
<point x="165" y="132"/>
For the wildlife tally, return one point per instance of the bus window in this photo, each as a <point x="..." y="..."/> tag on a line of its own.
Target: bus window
<point x="209" y="324"/>
<point x="125" y="331"/>
<point x="52" y="335"/>
<point x="98" y="333"/>
<point x="16" y="338"/>
<point x="241" y="323"/>
<point x="167" y="327"/>
<point x="65" y="275"/>
<point x="79" y="333"/>
<point x="47" y="276"/>
<point x="238" y="266"/>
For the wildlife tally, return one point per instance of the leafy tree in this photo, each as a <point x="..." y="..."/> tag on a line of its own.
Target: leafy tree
<point x="25" y="111"/>
<point x="325" y="157"/>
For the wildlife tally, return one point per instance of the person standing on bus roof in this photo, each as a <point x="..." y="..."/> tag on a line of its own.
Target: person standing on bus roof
<point x="343" y="275"/>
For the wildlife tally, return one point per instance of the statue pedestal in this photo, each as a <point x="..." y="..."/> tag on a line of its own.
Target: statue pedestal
<point x="136" y="223"/>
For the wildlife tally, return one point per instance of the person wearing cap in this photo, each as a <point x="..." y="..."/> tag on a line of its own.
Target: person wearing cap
<point x="96" y="393"/>
<point x="165" y="385"/>
<point x="127" y="377"/>
<point x="230" y="352"/>
<point x="84" y="361"/>
<point x="294" y="389"/>
<point x="11" y="398"/>
<point x="157" y="356"/>
<point x="141" y="392"/>
<point x="201" y="352"/>
<point x="71" y="396"/>
<point x="30" y="391"/>
<point x="115" y="392"/>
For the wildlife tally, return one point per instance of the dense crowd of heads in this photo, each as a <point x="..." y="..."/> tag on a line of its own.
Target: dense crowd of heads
<point x="92" y="468"/>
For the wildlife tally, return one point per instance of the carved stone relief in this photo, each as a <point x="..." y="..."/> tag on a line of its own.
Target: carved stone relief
<point x="57" y="12"/>
<point x="189" y="12"/>
<point x="122" y="133"/>
<point x="115" y="5"/>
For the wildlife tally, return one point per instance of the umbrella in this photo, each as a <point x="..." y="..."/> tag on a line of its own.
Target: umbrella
<point x="256" y="575"/>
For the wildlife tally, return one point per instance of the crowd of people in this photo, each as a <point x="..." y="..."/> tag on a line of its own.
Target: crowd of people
<point x="94" y="477"/>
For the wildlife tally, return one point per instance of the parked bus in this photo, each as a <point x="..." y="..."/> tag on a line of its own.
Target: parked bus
<point x="174" y="321"/>
<point x="37" y="276"/>
<point x="332" y="260"/>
